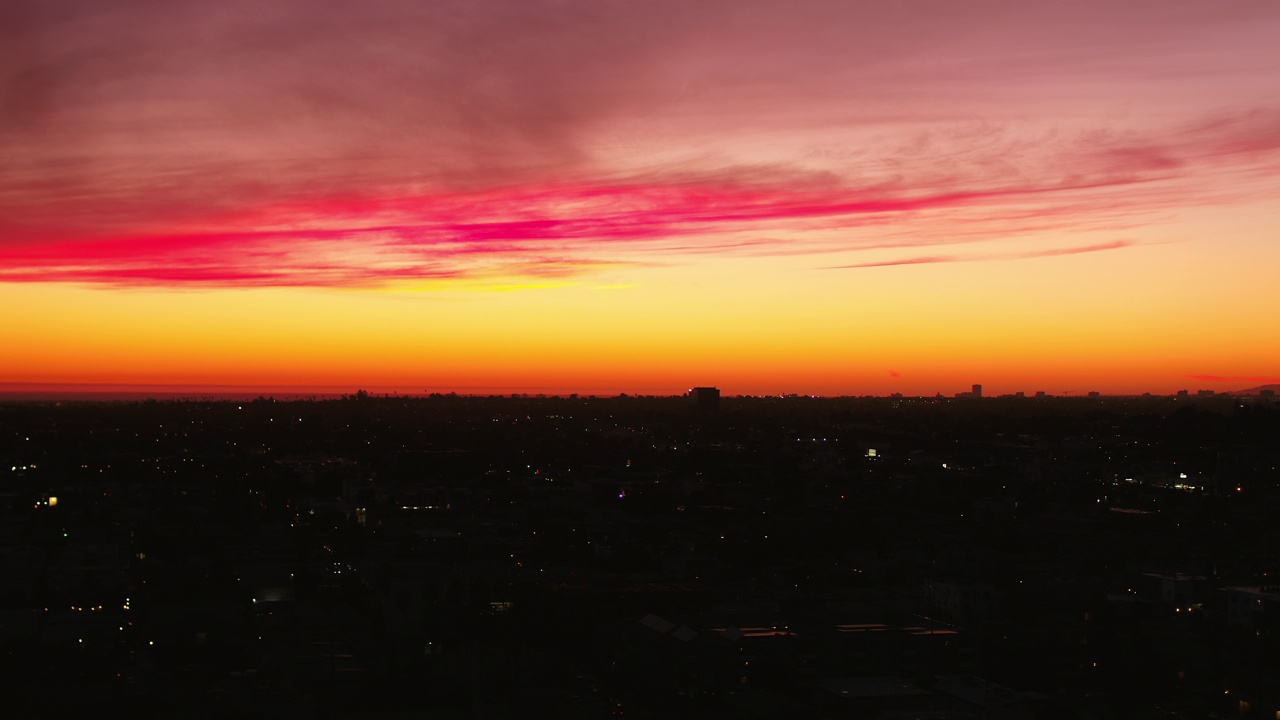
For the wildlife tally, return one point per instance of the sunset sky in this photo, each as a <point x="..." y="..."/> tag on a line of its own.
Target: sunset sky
<point x="604" y="196"/>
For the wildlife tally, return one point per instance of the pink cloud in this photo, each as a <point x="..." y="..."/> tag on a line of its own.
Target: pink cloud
<point x="1099" y="247"/>
<point x="1051" y="252"/>
<point x="373" y="239"/>
<point x="921" y="260"/>
<point x="315" y="143"/>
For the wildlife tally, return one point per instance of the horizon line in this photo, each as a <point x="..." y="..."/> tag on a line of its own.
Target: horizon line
<point x="228" y="391"/>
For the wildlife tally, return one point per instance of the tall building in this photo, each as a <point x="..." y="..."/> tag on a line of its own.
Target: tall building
<point x="706" y="398"/>
<point x="977" y="390"/>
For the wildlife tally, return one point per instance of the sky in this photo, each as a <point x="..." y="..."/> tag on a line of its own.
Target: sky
<point x="606" y="196"/>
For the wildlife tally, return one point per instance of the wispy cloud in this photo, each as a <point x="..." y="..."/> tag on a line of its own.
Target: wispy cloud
<point x="327" y="144"/>
<point x="921" y="260"/>
<point x="524" y="232"/>
<point x="1100" y="247"/>
<point x="928" y="259"/>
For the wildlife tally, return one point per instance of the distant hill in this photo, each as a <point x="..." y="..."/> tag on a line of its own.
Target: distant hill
<point x="1274" y="387"/>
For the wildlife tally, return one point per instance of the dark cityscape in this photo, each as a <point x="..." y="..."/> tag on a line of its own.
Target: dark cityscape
<point x="704" y="556"/>
<point x="639" y="360"/>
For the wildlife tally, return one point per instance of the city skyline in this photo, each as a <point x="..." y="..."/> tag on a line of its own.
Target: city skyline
<point x="230" y="393"/>
<point x="847" y="199"/>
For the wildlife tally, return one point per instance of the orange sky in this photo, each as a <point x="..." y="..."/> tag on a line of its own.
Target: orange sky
<point x="601" y="198"/>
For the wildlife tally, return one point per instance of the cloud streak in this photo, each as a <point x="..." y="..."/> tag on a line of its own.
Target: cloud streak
<point x="930" y="259"/>
<point x="189" y="144"/>
<point x="367" y="241"/>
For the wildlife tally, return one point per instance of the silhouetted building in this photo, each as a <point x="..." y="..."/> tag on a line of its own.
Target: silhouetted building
<point x="707" y="398"/>
<point x="1252" y="608"/>
<point x="977" y="390"/>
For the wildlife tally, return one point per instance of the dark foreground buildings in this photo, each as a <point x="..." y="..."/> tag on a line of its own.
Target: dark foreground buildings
<point x="595" y="558"/>
<point x="707" y="398"/>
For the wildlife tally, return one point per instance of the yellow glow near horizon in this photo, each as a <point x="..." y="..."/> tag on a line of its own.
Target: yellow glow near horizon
<point x="821" y="198"/>
<point x="774" y="328"/>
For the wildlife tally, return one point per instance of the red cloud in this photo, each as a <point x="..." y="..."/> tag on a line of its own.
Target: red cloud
<point x="368" y="240"/>
<point x="381" y="236"/>
<point x="539" y="231"/>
